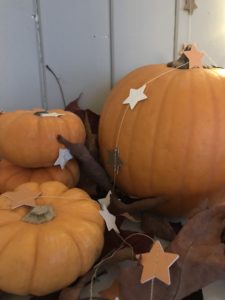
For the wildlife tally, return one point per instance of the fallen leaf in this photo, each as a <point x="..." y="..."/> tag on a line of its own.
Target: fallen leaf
<point x="202" y="259"/>
<point x="89" y="166"/>
<point x="73" y="292"/>
<point x="157" y="227"/>
<point x="112" y="292"/>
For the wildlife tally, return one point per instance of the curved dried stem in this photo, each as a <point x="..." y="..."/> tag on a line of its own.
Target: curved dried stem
<point x="117" y="207"/>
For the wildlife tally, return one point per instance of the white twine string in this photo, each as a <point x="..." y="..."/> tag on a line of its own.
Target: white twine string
<point x="126" y="111"/>
<point x="152" y="289"/>
<point x="189" y="26"/>
<point x="53" y="196"/>
<point x="124" y="241"/>
<point x="212" y="61"/>
<point x="146" y="83"/>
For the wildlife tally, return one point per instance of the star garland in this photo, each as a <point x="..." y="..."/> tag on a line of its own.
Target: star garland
<point x="138" y="95"/>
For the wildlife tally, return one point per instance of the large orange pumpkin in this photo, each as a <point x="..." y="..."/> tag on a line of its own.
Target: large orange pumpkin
<point x="28" y="139"/>
<point x="173" y="143"/>
<point x="11" y="175"/>
<point x="42" y="258"/>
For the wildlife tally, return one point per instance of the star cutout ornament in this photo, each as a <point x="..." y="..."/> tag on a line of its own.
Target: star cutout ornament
<point x="21" y="198"/>
<point x="135" y="96"/>
<point x="190" y="6"/>
<point x="156" y="264"/>
<point x="63" y="158"/>
<point x="105" y="201"/>
<point x="195" y="57"/>
<point x="110" y="219"/>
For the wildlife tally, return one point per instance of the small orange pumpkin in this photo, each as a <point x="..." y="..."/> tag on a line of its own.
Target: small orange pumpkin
<point x="28" y="138"/>
<point x="11" y="175"/>
<point x="47" y="248"/>
<point x="173" y="143"/>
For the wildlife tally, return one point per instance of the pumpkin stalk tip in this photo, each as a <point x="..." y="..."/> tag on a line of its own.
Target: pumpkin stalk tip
<point x="40" y="214"/>
<point x="182" y="62"/>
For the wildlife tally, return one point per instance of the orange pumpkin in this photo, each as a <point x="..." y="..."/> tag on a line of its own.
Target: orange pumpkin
<point x="11" y="175"/>
<point x="28" y="139"/>
<point x="173" y="143"/>
<point x="46" y="248"/>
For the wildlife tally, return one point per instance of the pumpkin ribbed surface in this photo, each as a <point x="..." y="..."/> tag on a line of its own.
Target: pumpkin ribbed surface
<point x="11" y="175"/>
<point x="173" y="143"/>
<point x="29" y="140"/>
<point x="41" y="258"/>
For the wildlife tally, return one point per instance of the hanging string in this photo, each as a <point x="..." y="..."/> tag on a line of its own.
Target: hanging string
<point x="146" y="83"/>
<point x="152" y="289"/>
<point x="190" y="25"/>
<point x="121" y="124"/>
<point x="124" y="242"/>
<point x="165" y="73"/>
<point x="116" y="149"/>
<point x="210" y="59"/>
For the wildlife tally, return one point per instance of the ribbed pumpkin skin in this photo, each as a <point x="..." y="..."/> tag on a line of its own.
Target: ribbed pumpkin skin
<point x="40" y="259"/>
<point x="173" y="143"/>
<point x="11" y="175"/>
<point x="30" y="141"/>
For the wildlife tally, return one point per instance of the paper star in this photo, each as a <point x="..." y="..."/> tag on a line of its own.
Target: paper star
<point x="110" y="219"/>
<point x="195" y="57"/>
<point x="190" y="6"/>
<point x="135" y="96"/>
<point x="111" y="293"/>
<point x="105" y="201"/>
<point x="63" y="158"/>
<point x="156" y="264"/>
<point x="114" y="160"/>
<point x="20" y="198"/>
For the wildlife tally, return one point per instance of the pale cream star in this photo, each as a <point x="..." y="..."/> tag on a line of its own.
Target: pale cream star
<point x="110" y="219"/>
<point x="105" y="201"/>
<point x="135" y="96"/>
<point x="63" y="158"/>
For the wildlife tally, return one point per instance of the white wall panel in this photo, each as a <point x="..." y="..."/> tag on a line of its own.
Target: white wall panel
<point x="205" y="28"/>
<point x="76" y="46"/>
<point x="19" y="79"/>
<point x="143" y="32"/>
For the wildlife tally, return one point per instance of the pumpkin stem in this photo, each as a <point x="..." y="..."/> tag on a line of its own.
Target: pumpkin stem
<point x="183" y="63"/>
<point x="40" y="214"/>
<point x="40" y="113"/>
